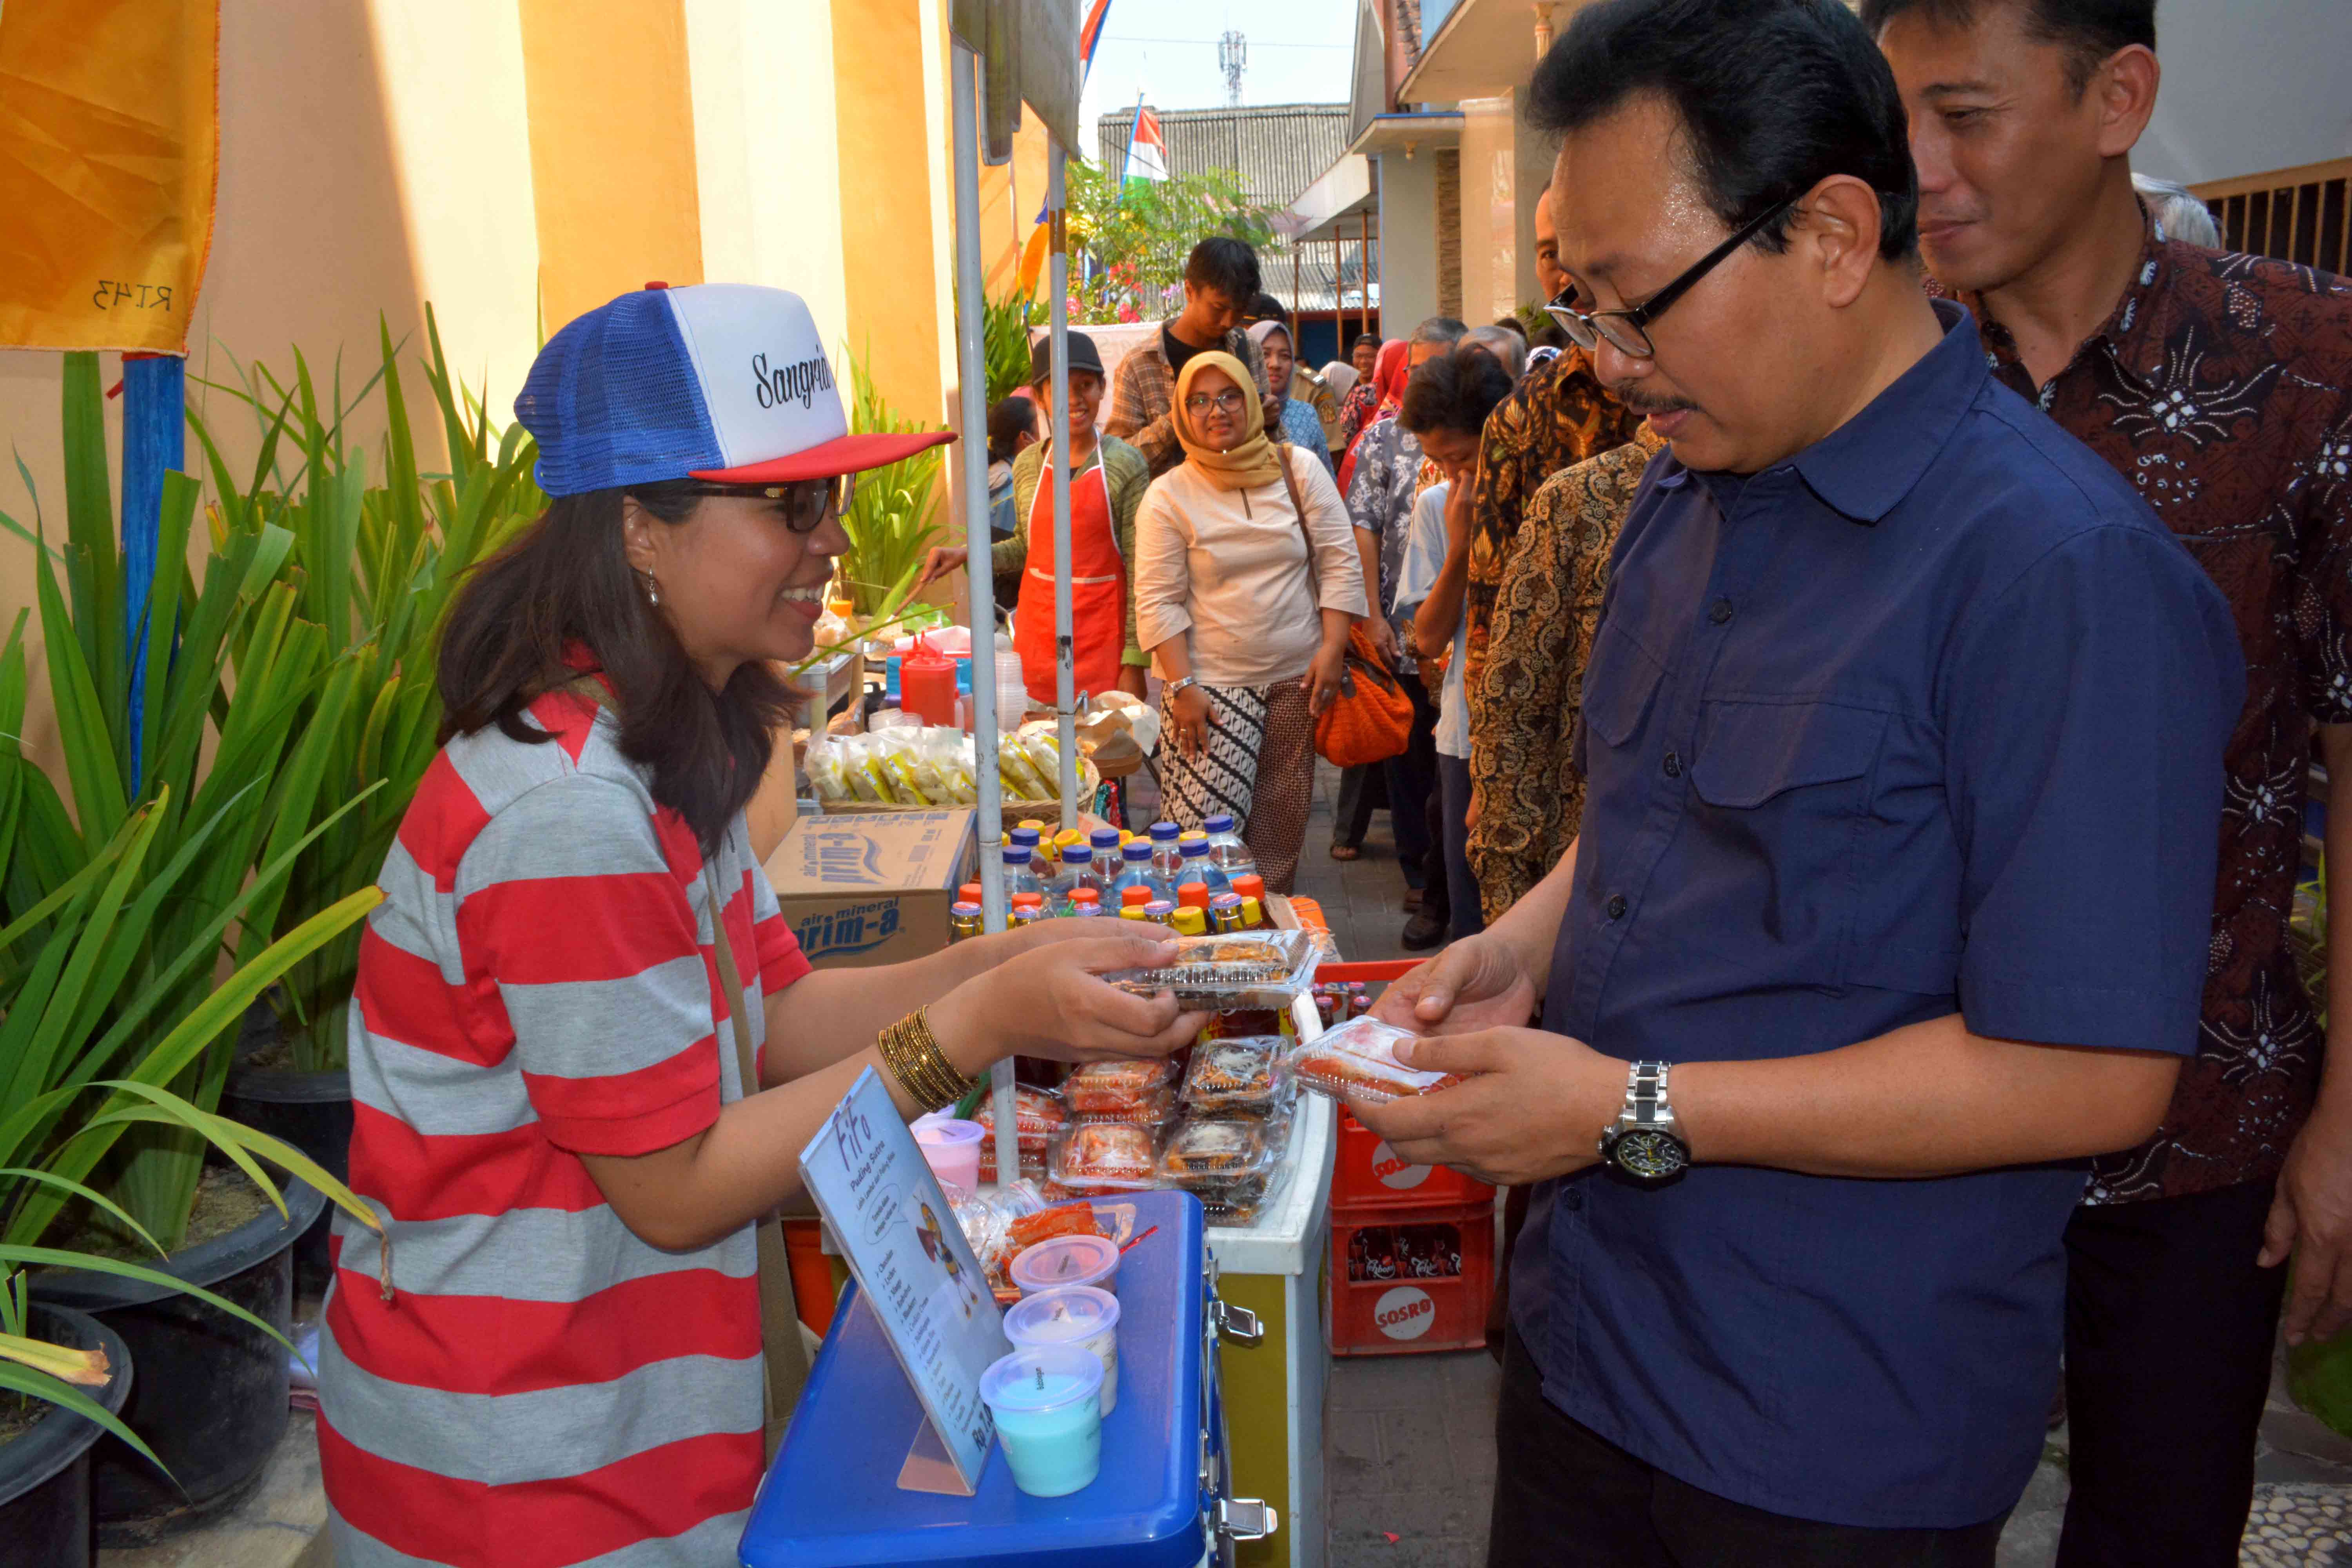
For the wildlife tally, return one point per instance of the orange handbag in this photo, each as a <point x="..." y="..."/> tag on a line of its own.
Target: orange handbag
<point x="1371" y="719"/>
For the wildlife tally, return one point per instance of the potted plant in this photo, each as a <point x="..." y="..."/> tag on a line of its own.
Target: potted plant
<point x="65" y="1374"/>
<point x="223" y="793"/>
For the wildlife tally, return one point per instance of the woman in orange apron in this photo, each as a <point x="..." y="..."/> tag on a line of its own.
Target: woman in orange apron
<point x="1107" y="479"/>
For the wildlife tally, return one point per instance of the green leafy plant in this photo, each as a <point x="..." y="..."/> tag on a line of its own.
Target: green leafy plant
<point x="1129" y="243"/>
<point x="892" y="520"/>
<point x="244" y="703"/>
<point x="87" y="1050"/>
<point x="377" y="567"/>
<point x="1004" y="337"/>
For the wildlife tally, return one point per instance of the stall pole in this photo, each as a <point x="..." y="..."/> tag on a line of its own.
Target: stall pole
<point x="1057" y="326"/>
<point x="971" y="380"/>
<point x="1364" y="264"/>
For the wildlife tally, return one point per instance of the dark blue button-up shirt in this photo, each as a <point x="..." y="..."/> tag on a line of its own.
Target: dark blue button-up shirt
<point x="1927" y="719"/>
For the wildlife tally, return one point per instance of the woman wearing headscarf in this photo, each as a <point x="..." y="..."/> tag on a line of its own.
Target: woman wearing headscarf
<point x="1341" y="378"/>
<point x="1363" y="400"/>
<point x="1386" y="396"/>
<point x="1247" y="582"/>
<point x="1287" y="418"/>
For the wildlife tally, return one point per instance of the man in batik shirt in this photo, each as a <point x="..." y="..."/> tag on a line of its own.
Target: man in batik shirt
<point x="2218" y="385"/>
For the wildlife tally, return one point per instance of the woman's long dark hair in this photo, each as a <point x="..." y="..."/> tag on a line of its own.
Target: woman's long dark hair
<point x="567" y="582"/>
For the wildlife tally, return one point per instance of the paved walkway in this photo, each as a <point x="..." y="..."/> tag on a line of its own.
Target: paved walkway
<point x="1411" y="1453"/>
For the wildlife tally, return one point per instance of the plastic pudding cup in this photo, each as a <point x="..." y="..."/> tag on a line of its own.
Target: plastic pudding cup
<point x="1062" y="1260"/>
<point x="1047" y="1401"/>
<point x="951" y="1149"/>
<point x="1076" y="1315"/>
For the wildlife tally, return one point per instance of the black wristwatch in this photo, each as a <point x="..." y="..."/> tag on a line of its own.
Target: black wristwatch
<point x="1644" y="1142"/>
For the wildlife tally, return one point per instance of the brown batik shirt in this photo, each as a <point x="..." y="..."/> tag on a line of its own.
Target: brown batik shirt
<point x="2219" y="386"/>
<point x="1559" y="415"/>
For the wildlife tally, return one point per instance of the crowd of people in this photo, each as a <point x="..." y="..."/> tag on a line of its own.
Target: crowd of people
<point x="1881" y="688"/>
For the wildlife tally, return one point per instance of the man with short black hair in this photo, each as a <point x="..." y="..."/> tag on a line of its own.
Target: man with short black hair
<point x="1902" y="736"/>
<point x="1220" y="280"/>
<point x="2218" y="385"/>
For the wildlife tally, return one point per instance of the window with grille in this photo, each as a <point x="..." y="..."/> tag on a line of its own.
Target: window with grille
<point x="2302" y="215"/>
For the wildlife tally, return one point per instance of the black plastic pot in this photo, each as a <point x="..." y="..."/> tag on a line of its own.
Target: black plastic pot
<point x="311" y="1110"/>
<point x="45" y="1518"/>
<point x="211" y="1398"/>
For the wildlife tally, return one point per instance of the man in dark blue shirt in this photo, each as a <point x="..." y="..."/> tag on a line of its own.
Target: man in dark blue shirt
<point x="1903" y="735"/>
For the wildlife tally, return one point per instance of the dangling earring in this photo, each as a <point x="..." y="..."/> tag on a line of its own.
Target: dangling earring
<point x="653" y="589"/>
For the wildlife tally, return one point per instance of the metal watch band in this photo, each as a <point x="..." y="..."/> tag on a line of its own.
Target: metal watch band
<point x="1646" y="1104"/>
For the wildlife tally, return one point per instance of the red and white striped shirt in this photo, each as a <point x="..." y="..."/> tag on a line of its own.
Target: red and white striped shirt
<point x="544" y="1388"/>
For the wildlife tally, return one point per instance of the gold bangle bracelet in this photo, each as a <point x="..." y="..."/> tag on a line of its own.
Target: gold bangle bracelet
<point x="913" y="1055"/>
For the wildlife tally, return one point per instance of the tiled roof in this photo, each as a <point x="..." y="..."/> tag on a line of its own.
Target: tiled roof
<point x="1277" y="150"/>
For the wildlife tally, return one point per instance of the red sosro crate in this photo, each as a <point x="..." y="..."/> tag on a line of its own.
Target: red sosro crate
<point x="1412" y="1280"/>
<point x="1367" y="1176"/>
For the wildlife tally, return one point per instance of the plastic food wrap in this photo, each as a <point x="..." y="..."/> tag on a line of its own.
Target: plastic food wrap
<point x="1037" y="1115"/>
<point x="1106" y="1157"/>
<point x="1234" y="1077"/>
<point x="1133" y="1089"/>
<point x="1360" y="1058"/>
<point x="990" y="1223"/>
<point x="1257" y="969"/>
<point x="916" y="765"/>
<point x="1228" y="1165"/>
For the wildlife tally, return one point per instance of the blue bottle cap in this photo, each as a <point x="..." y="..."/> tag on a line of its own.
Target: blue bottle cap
<point x="1220" y="822"/>
<point x="1018" y="854"/>
<point x="1105" y="838"/>
<point x="1025" y="837"/>
<point x="1138" y="850"/>
<point x="1192" y="847"/>
<point x="1077" y="854"/>
<point x="1165" y="832"/>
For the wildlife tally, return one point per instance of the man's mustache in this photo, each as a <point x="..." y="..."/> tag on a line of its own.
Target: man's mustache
<point x="1630" y="395"/>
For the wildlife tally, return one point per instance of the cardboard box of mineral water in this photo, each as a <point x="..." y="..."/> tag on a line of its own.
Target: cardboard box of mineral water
<point x="860" y="891"/>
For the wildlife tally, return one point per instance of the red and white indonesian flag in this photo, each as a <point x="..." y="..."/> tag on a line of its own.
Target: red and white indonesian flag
<point x="1147" y="153"/>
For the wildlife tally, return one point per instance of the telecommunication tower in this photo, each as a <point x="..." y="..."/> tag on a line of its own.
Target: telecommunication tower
<point x="1232" y="54"/>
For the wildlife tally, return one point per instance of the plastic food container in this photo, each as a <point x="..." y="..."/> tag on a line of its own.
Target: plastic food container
<point x="1256" y="969"/>
<point x="1133" y="1089"/>
<point x="1076" y="1315"/>
<point x="1234" y="1076"/>
<point x="1063" y="1260"/>
<point x="1358" y="1058"/>
<point x="1047" y="1401"/>
<point x="951" y="1149"/>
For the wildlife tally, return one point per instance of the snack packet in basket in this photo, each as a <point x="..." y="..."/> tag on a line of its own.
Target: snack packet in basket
<point x="1360" y="1058"/>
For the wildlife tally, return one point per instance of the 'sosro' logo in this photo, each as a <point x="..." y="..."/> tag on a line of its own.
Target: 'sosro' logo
<point x="1405" y="1313"/>
<point x="1393" y="1170"/>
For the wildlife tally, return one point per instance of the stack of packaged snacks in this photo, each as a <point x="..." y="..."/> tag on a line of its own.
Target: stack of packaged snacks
<point x="1133" y="1090"/>
<point x="1236" y="1109"/>
<point x="1037" y="1115"/>
<point x="1358" y="1058"/>
<point x="1103" y="1159"/>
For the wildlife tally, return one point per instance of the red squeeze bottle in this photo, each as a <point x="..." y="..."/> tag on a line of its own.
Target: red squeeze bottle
<point x="926" y="685"/>
<point x="1193" y="893"/>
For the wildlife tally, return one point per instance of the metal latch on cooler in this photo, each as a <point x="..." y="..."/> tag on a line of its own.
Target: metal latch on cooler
<point x="1245" y="1519"/>
<point x="1238" y="1324"/>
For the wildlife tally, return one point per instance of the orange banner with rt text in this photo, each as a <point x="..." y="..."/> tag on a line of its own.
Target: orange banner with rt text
<point x="109" y="144"/>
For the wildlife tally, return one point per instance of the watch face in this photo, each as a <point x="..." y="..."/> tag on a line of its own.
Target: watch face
<point x="1649" y="1155"/>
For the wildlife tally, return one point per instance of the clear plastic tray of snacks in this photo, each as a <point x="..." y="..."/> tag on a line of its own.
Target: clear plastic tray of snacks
<point x="1092" y="1157"/>
<point x="1209" y="1151"/>
<point x="1134" y="1090"/>
<point x="1358" y="1058"/>
<point x="1236" y="1077"/>
<point x="1256" y="969"/>
<point x="1037" y="1115"/>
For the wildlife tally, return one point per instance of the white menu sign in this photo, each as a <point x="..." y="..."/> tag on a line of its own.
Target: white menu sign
<point x="912" y="1264"/>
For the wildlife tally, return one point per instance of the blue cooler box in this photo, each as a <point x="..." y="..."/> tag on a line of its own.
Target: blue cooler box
<point x="1160" y="1501"/>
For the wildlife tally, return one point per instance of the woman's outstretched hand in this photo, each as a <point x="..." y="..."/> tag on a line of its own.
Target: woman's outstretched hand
<point x="1048" y="999"/>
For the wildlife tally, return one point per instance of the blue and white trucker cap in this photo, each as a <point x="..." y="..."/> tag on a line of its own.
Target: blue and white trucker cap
<point x="726" y="382"/>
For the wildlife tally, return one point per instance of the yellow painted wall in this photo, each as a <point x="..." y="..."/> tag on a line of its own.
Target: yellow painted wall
<point x="892" y="284"/>
<point x="1010" y="196"/>
<point x="612" y="149"/>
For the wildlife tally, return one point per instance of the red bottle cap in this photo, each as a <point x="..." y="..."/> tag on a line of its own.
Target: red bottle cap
<point x="1085" y="896"/>
<point x="1250" y="885"/>
<point x="1135" y="896"/>
<point x="1195" y="894"/>
<point x="969" y="892"/>
<point x="1028" y="900"/>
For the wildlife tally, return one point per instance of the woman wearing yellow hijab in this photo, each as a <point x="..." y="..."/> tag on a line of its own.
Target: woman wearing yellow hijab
<point x="1247" y="582"/>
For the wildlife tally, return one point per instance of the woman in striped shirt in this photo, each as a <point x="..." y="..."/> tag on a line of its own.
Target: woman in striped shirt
<point x="579" y="967"/>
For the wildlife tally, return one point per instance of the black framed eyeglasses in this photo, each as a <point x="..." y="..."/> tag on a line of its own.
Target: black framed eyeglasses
<point x="1230" y="400"/>
<point x="1628" y="331"/>
<point x="805" y="504"/>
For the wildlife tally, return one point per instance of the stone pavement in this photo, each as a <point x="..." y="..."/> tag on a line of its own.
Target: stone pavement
<point x="1411" y="1463"/>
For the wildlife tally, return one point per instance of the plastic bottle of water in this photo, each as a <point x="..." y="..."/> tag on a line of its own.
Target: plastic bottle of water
<point x="1135" y="871"/>
<point x="1106" y="842"/>
<point x="1167" y="861"/>
<point x="1019" y="876"/>
<point x="1078" y="871"/>
<point x="1226" y="850"/>
<point x="1041" y="867"/>
<point x="1200" y="866"/>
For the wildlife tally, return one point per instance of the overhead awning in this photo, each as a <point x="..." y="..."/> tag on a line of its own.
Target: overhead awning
<point x="1483" y="49"/>
<point x="1337" y="206"/>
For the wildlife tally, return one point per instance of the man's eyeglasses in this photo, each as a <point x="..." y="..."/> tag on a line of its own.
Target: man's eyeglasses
<point x="805" y="504"/>
<point x="1230" y="401"/>
<point x="1627" y="331"/>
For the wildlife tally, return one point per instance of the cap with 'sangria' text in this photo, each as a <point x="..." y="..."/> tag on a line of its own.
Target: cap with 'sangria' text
<point x="726" y="382"/>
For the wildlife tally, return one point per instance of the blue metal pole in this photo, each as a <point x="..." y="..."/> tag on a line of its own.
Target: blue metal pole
<point x="154" y="442"/>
